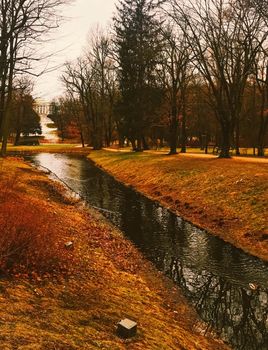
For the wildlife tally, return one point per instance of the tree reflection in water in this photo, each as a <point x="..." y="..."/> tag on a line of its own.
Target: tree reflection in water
<point x="240" y="315"/>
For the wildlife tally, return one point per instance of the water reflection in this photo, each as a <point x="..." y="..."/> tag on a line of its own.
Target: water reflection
<point x="239" y="314"/>
<point x="213" y="275"/>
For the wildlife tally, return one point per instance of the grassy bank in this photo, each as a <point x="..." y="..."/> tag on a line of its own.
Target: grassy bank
<point x="55" y="298"/>
<point x="228" y="197"/>
<point x="49" y="148"/>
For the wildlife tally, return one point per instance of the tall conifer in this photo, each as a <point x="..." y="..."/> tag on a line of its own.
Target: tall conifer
<point x="137" y="47"/>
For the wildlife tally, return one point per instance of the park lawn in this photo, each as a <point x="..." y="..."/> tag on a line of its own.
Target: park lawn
<point x="49" y="148"/>
<point x="227" y="197"/>
<point x="244" y="152"/>
<point x="55" y="298"/>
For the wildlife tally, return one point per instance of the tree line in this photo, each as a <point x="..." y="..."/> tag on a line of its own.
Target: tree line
<point x="176" y="71"/>
<point x="167" y="71"/>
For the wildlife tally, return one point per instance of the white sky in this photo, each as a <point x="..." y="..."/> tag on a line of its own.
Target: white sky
<point x="70" y="39"/>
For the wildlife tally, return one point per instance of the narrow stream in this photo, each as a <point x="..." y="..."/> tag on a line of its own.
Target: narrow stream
<point x="213" y="275"/>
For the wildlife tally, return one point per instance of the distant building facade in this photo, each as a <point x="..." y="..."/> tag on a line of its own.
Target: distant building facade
<point x="42" y="107"/>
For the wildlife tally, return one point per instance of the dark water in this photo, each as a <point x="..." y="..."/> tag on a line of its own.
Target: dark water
<point x="213" y="275"/>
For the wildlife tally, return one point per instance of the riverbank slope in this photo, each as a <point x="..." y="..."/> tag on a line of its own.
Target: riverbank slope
<point x="56" y="296"/>
<point x="227" y="197"/>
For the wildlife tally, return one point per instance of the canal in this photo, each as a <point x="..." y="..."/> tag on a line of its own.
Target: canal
<point x="228" y="288"/>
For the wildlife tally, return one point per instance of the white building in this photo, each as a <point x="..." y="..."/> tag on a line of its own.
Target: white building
<point x="42" y="107"/>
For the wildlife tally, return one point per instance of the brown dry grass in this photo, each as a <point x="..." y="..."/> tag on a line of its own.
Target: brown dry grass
<point x="105" y="279"/>
<point x="228" y="197"/>
<point x="49" y="148"/>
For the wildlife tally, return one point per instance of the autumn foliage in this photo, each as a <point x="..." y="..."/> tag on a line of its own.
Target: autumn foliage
<point x="29" y="238"/>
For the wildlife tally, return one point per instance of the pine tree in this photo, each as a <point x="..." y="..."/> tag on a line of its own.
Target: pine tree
<point x="137" y="47"/>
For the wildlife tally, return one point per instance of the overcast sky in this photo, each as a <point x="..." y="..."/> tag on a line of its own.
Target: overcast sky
<point x="70" y="40"/>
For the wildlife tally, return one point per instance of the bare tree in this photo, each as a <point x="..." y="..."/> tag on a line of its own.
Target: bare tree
<point x="22" y="24"/>
<point x="92" y="80"/>
<point x="105" y="78"/>
<point x="175" y="73"/>
<point x="69" y="117"/>
<point x="225" y="37"/>
<point x="261" y="79"/>
<point x="77" y="79"/>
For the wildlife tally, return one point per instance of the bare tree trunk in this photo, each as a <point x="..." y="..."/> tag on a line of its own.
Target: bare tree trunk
<point x="183" y="126"/>
<point x="17" y="137"/>
<point x="145" y="145"/>
<point x="226" y="137"/>
<point x="5" y="131"/>
<point x="82" y="138"/>
<point x="7" y="109"/>
<point x="97" y="138"/>
<point x="261" y="136"/>
<point x="139" y="144"/>
<point x="173" y="131"/>
<point x="237" y="138"/>
<point x="264" y="118"/>
<point x="133" y="143"/>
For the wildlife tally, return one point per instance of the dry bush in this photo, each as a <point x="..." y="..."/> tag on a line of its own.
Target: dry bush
<point x="28" y="239"/>
<point x="31" y="241"/>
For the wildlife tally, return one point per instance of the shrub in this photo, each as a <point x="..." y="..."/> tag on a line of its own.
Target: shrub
<point x="28" y="239"/>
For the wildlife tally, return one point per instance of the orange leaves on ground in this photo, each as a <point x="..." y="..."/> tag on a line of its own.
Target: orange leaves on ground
<point x="120" y="251"/>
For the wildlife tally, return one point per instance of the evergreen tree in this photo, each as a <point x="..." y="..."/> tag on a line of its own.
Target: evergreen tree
<point x="24" y="120"/>
<point x="137" y="47"/>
